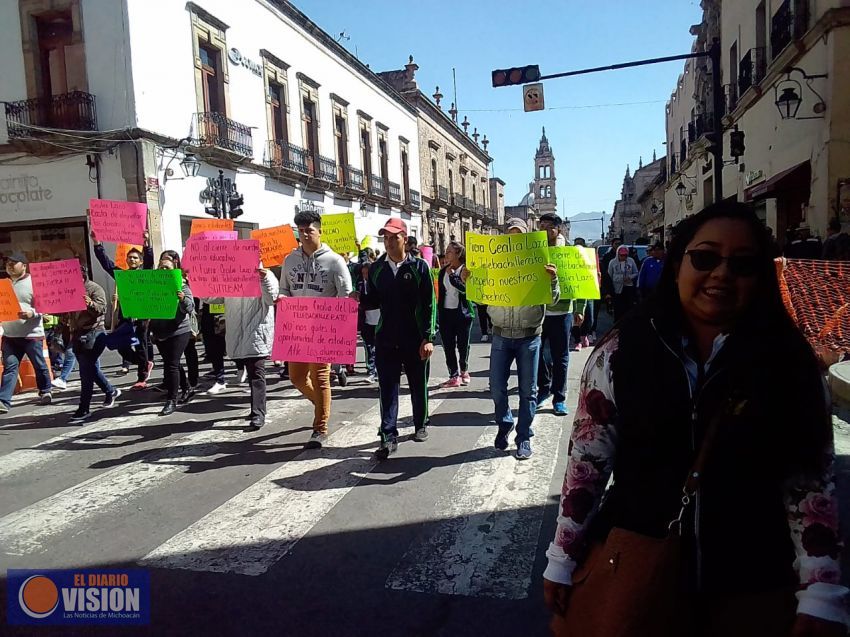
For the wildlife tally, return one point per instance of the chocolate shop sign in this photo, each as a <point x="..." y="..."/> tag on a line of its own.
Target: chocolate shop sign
<point x="21" y="190"/>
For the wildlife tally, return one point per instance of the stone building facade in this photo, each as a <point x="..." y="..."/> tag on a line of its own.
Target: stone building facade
<point x="628" y="219"/>
<point x="545" y="193"/>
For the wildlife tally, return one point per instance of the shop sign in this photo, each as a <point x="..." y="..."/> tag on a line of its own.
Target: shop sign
<point x="753" y="176"/>
<point x="22" y="189"/>
<point x="240" y="60"/>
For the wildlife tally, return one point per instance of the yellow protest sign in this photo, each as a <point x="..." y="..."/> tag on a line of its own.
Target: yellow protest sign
<point x="508" y="270"/>
<point x="367" y="242"/>
<point x="339" y="233"/>
<point x="578" y="274"/>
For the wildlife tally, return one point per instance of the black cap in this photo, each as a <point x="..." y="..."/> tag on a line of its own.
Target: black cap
<point x="18" y="257"/>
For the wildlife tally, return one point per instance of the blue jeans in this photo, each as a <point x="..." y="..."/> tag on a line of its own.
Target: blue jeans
<point x="90" y="373"/>
<point x="68" y="362"/>
<point x="526" y="352"/>
<point x="552" y="374"/>
<point x="14" y="349"/>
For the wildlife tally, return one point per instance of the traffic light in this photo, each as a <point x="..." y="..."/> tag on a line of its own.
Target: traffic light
<point x="235" y="204"/>
<point x="736" y="143"/>
<point x="516" y="75"/>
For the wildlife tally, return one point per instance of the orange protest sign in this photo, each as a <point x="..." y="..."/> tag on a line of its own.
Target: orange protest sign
<point x="275" y="244"/>
<point x="203" y="225"/>
<point x="121" y="254"/>
<point x="9" y="306"/>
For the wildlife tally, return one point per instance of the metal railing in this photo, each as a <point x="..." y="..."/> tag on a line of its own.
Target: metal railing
<point x="219" y="131"/>
<point x="68" y="111"/>
<point x="354" y="178"/>
<point x="415" y="200"/>
<point x="394" y="191"/>
<point x="443" y="194"/>
<point x="752" y="69"/>
<point x="376" y="186"/>
<point x="285" y="155"/>
<point x="327" y="169"/>
<point x="790" y="22"/>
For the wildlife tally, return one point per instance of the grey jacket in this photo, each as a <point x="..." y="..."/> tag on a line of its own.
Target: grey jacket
<point x="323" y="273"/>
<point x="162" y="329"/>
<point x="24" y="328"/>
<point x="521" y="322"/>
<point x="249" y="331"/>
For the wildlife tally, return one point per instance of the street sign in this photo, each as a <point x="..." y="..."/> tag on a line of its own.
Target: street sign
<point x="532" y="97"/>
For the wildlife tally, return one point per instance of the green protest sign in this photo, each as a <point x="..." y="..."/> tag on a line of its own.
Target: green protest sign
<point x="508" y="270"/>
<point x="339" y="233"/>
<point x="578" y="275"/>
<point x="149" y="294"/>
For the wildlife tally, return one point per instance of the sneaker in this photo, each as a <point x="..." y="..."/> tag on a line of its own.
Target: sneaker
<point x="372" y="378"/>
<point x="342" y="377"/>
<point x="388" y="448"/>
<point x="576" y="347"/>
<point x="4" y="408"/>
<point x="317" y="440"/>
<point x="560" y="409"/>
<point x="484" y="338"/>
<point x="109" y="401"/>
<point x="243" y="377"/>
<point x="523" y="450"/>
<point x="46" y="398"/>
<point x="542" y="398"/>
<point x="257" y="423"/>
<point x="138" y="386"/>
<point x="501" y="442"/>
<point x="79" y="416"/>
<point x="59" y="384"/>
<point x="123" y="371"/>
<point x="454" y="381"/>
<point x="585" y="341"/>
<point x="185" y="396"/>
<point x="149" y="370"/>
<point x="465" y="378"/>
<point x="421" y="434"/>
<point x="217" y="388"/>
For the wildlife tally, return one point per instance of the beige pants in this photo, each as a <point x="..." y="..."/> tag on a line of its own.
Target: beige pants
<point x="314" y="381"/>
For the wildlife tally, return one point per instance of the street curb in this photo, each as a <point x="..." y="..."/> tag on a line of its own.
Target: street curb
<point x="839" y="382"/>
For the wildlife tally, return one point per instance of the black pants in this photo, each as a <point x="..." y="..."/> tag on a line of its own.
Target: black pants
<point x="214" y="344"/>
<point x="174" y="376"/>
<point x="484" y="321"/>
<point x="623" y="302"/>
<point x="368" y="334"/>
<point x="257" y="378"/>
<point x="191" y="354"/>
<point x="454" y="330"/>
<point x="141" y="353"/>
<point x="389" y="361"/>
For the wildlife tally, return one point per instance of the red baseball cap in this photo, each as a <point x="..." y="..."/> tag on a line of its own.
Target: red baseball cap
<point x="393" y="226"/>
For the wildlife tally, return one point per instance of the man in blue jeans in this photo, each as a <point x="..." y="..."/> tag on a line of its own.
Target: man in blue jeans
<point x="516" y="336"/>
<point x="560" y="316"/>
<point x="24" y="337"/>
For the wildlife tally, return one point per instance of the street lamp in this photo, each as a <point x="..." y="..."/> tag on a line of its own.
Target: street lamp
<point x="790" y="99"/>
<point x="190" y="164"/>
<point x="654" y="208"/>
<point x="789" y="102"/>
<point x="680" y="189"/>
<point x="225" y="200"/>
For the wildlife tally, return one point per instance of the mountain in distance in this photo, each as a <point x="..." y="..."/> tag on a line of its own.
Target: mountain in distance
<point x="588" y="225"/>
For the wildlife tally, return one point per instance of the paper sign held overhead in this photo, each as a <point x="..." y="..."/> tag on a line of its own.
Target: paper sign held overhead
<point x="208" y="235"/>
<point x="118" y="221"/>
<point x="315" y="330"/>
<point x="202" y="225"/>
<point x="577" y="272"/>
<point x="275" y="244"/>
<point x="149" y="294"/>
<point x="508" y="270"/>
<point x="58" y="286"/>
<point x="226" y="269"/>
<point x="339" y="233"/>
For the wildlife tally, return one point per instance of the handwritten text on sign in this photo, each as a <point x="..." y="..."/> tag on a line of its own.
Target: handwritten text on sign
<point x="275" y="244"/>
<point x="577" y="272"/>
<point x="508" y="270"/>
<point x="339" y="233"/>
<point x="9" y="305"/>
<point x="204" y="225"/>
<point x="315" y="330"/>
<point x="208" y="235"/>
<point x="226" y="269"/>
<point x="58" y="286"/>
<point x="118" y="221"/>
<point x="149" y="293"/>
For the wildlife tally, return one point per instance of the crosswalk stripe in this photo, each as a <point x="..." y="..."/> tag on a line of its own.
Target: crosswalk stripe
<point x="253" y="530"/>
<point x="486" y="542"/>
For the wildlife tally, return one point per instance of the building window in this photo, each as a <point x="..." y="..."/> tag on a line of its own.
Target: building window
<point x="405" y="175"/>
<point x="462" y="185"/>
<point x="211" y="73"/>
<point x="213" y="88"/>
<point x="451" y="186"/>
<point x="311" y="134"/>
<point x="366" y="150"/>
<point x="277" y="111"/>
<point x="341" y="137"/>
<point x="435" y="182"/>
<point x="383" y="157"/>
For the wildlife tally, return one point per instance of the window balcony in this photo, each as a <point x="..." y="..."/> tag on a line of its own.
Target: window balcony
<point x="327" y="169"/>
<point x="394" y="191"/>
<point x="69" y="111"/>
<point x="217" y="131"/>
<point x="289" y="156"/>
<point x="354" y="179"/>
<point x="789" y="23"/>
<point x="415" y="200"/>
<point x="752" y="69"/>
<point x="443" y="194"/>
<point x="376" y="186"/>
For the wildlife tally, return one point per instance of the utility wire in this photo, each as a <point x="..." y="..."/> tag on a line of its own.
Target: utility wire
<point x="558" y="108"/>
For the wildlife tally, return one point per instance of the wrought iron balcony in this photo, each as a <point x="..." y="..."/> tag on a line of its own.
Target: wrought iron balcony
<point x="395" y="191"/>
<point x="790" y="22"/>
<point x="285" y="155"/>
<point x="443" y="194"/>
<point x="69" y="111"/>
<point x="752" y="69"/>
<point x="376" y="186"/>
<point x="354" y="178"/>
<point x="327" y="169"/>
<point x="218" y="131"/>
<point x="415" y="200"/>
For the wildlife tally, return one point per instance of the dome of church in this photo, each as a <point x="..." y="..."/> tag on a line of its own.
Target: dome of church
<point x="528" y="200"/>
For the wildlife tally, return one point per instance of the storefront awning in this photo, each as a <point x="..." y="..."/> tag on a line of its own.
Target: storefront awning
<point x="794" y="177"/>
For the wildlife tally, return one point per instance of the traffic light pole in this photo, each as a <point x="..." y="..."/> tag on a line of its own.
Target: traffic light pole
<point x="713" y="54"/>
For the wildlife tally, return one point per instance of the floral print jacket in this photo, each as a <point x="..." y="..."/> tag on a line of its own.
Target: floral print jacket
<point x="811" y="505"/>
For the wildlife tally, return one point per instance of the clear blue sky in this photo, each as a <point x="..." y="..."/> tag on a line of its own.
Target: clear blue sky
<point x="592" y="145"/>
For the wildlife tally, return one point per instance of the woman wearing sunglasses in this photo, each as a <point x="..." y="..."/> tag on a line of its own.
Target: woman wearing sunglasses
<point x="708" y="406"/>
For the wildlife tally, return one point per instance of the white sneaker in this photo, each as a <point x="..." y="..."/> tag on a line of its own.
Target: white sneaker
<point x="217" y="389"/>
<point x="484" y="338"/>
<point x="59" y="384"/>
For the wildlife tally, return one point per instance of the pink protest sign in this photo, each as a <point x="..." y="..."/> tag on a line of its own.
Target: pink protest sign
<point x="58" y="286"/>
<point x="209" y="235"/>
<point x="118" y="221"/>
<point x="427" y="253"/>
<point x="315" y="330"/>
<point x="225" y="268"/>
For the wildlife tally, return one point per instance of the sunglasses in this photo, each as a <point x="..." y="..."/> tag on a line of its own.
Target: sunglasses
<point x="708" y="260"/>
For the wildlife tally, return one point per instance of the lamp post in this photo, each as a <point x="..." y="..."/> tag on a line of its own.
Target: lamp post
<point x="225" y="200"/>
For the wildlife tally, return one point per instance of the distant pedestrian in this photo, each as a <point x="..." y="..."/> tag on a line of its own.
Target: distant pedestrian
<point x="23" y="337"/>
<point x="804" y="245"/>
<point x="455" y="315"/>
<point x="87" y="339"/>
<point x="400" y="286"/>
<point x="623" y="273"/>
<point x="837" y="244"/>
<point x="650" y="270"/>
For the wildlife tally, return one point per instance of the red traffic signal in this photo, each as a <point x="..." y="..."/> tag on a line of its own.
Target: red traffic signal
<point x="516" y="75"/>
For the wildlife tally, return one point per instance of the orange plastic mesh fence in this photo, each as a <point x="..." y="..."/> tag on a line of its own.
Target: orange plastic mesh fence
<point x="817" y="295"/>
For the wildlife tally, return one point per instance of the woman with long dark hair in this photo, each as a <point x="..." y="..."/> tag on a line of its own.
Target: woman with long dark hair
<point x="455" y="315"/>
<point x="172" y="337"/>
<point x="708" y="406"/>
